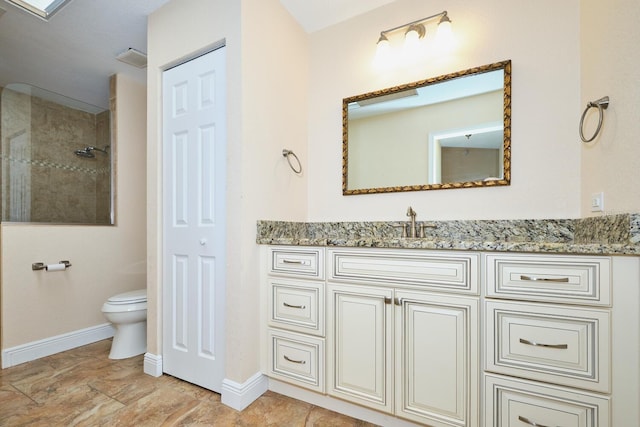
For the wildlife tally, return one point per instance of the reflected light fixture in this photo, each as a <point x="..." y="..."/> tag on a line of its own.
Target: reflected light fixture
<point x="415" y="30"/>
<point x="43" y="9"/>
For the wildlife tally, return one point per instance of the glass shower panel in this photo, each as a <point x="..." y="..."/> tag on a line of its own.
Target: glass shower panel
<point x="56" y="160"/>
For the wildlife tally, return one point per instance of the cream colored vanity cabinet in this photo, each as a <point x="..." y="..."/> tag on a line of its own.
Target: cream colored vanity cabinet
<point x="562" y="340"/>
<point x="296" y="309"/>
<point x="402" y="333"/>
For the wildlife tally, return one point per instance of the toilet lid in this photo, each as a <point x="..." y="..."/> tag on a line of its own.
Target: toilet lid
<point x="131" y="297"/>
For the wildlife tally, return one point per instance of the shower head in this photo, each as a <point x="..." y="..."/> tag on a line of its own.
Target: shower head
<point x="87" y="152"/>
<point x="84" y="153"/>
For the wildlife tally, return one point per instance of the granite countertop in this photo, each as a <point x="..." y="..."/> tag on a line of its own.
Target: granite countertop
<point x="602" y="235"/>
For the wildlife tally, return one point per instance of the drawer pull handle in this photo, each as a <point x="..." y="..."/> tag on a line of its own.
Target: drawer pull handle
<point x="545" y="279"/>
<point x="301" y="307"/>
<point x="300" y="362"/>
<point x="295" y="261"/>
<point x="531" y="423"/>
<point x="528" y="421"/>
<point x="537" y="344"/>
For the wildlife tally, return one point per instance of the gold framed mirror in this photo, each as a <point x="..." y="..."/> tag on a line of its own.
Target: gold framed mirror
<point x="450" y="131"/>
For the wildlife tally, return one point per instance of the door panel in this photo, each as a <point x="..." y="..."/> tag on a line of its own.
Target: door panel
<point x="360" y="347"/>
<point x="194" y="177"/>
<point x="437" y="356"/>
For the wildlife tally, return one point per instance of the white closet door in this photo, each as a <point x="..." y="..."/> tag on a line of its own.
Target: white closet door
<point x="194" y="174"/>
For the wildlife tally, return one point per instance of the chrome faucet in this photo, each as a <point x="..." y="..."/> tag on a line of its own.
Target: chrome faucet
<point x="413" y="231"/>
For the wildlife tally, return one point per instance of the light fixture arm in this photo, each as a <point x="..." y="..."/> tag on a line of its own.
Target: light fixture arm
<point x="442" y="14"/>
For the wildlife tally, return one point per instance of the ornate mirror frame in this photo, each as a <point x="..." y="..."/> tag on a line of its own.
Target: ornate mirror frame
<point x="505" y="179"/>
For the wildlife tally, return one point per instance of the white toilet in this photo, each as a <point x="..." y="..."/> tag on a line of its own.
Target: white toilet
<point x="128" y="314"/>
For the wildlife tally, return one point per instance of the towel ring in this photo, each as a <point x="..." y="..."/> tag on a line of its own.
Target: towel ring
<point x="601" y="104"/>
<point x="288" y="154"/>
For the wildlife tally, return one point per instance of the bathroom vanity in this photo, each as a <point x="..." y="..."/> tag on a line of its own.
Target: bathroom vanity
<point x="457" y="330"/>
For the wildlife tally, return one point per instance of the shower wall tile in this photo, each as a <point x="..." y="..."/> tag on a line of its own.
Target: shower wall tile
<point x="59" y="194"/>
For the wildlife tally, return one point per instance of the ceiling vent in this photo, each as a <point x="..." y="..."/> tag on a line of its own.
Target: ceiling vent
<point x="133" y="57"/>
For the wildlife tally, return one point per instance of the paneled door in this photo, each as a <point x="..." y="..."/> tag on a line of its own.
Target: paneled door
<point x="437" y="358"/>
<point x="360" y="348"/>
<point x="194" y="174"/>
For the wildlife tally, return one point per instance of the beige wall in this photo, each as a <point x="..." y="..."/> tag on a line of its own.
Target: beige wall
<point x="542" y="40"/>
<point x="610" y="62"/>
<point x="470" y="164"/>
<point x="105" y="259"/>
<point x="267" y="60"/>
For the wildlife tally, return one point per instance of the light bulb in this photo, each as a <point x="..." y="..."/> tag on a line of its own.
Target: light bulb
<point x="383" y="52"/>
<point x="383" y="44"/>
<point x="411" y="36"/>
<point x="444" y="29"/>
<point x="414" y="33"/>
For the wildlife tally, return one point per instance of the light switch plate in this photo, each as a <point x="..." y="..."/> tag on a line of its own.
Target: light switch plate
<point x="597" y="202"/>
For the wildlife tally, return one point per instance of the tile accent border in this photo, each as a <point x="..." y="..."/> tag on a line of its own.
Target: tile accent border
<point x="239" y="396"/>
<point x="35" y="350"/>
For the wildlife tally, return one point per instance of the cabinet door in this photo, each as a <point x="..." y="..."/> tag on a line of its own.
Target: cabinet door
<point x="359" y="345"/>
<point x="437" y="359"/>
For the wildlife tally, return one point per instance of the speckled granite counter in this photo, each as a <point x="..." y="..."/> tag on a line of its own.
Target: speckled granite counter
<point x="611" y="234"/>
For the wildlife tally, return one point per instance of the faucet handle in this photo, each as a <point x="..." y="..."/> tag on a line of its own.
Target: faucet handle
<point x="426" y="225"/>
<point x="404" y="229"/>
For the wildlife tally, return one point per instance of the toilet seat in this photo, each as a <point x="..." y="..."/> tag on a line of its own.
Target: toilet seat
<point x="131" y="297"/>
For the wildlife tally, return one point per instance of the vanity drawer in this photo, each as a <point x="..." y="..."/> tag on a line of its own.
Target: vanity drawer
<point x="292" y="261"/>
<point x="511" y="403"/>
<point x="449" y="272"/>
<point x="297" y="359"/>
<point x="297" y="305"/>
<point x="565" y="279"/>
<point x="560" y="345"/>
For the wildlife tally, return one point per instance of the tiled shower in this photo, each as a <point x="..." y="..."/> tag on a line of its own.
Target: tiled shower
<point x="42" y="180"/>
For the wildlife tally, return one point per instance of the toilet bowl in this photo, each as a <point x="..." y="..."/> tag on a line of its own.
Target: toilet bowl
<point x="128" y="314"/>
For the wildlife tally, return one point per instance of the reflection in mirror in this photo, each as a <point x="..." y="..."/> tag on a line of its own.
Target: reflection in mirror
<point x="56" y="158"/>
<point x="451" y="131"/>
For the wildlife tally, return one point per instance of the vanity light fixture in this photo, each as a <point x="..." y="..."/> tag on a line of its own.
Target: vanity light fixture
<point x="416" y="30"/>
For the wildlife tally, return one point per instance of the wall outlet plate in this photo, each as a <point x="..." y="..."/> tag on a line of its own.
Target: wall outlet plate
<point x="597" y="202"/>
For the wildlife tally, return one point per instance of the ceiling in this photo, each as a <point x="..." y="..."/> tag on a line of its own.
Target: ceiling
<point x="74" y="52"/>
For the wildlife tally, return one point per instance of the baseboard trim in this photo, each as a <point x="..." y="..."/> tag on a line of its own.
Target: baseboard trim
<point x="153" y="364"/>
<point x="46" y="347"/>
<point x="239" y="396"/>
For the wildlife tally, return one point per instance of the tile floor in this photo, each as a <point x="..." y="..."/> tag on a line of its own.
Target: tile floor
<point x="83" y="387"/>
